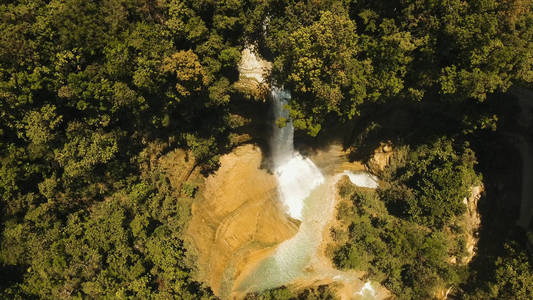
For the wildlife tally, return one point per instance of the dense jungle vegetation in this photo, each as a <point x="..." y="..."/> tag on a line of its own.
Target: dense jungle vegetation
<point x="92" y="92"/>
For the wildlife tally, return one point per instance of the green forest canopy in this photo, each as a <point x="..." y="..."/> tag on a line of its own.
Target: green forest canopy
<point x="87" y="86"/>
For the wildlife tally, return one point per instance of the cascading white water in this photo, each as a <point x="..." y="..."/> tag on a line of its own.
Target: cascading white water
<point x="302" y="191"/>
<point x="362" y="179"/>
<point x="282" y="139"/>
<point x="297" y="176"/>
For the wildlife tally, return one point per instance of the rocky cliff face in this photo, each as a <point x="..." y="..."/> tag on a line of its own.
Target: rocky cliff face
<point x="237" y="219"/>
<point x="472" y="222"/>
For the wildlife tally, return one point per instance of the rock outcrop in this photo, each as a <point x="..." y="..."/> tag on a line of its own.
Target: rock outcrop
<point x="472" y="222"/>
<point x="252" y="73"/>
<point x="381" y="157"/>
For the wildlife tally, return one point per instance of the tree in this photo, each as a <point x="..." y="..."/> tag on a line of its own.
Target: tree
<point x="508" y="277"/>
<point x="39" y="125"/>
<point x="324" y="71"/>
<point x="437" y="177"/>
<point x="84" y="150"/>
<point x="188" y="71"/>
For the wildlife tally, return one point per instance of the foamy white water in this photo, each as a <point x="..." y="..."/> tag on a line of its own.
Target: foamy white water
<point x="362" y="179"/>
<point x="297" y="176"/>
<point x="367" y="292"/>
<point x="296" y="258"/>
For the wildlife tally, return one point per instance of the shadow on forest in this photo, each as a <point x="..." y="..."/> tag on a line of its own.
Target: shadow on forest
<point x="499" y="162"/>
<point x="401" y="122"/>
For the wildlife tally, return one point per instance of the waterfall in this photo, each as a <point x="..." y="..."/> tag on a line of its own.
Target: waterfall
<point x="308" y="196"/>
<point x="282" y="138"/>
<point x="297" y="176"/>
